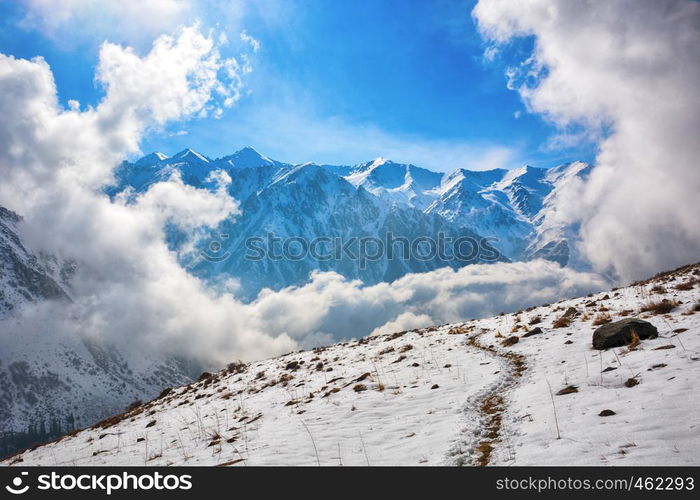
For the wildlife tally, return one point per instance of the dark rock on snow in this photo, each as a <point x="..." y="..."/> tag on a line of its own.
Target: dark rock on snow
<point x="619" y="333"/>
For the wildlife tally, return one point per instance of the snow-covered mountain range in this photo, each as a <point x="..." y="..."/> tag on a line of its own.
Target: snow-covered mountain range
<point x="511" y="208"/>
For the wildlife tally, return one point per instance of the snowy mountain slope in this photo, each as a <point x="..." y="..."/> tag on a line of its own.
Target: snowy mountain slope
<point x="555" y="239"/>
<point x="26" y="276"/>
<point x="468" y="198"/>
<point x="461" y="394"/>
<point x="405" y="184"/>
<point x="513" y="208"/>
<point x="53" y="380"/>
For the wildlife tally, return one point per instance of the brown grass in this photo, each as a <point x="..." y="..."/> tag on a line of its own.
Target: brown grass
<point x="664" y="347"/>
<point x="687" y="285"/>
<point x="562" y="322"/>
<point x="663" y="307"/>
<point x="236" y="367"/>
<point x="569" y="389"/>
<point x="510" y="341"/>
<point x="631" y="382"/>
<point x="459" y="330"/>
<point x="601" y="319"/>
<point x="635" y="341"/>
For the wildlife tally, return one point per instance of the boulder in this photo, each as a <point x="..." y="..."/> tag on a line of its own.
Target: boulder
<point x="619" y="333"/>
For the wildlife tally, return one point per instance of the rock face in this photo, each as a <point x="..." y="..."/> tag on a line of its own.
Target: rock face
<point x="619" y="333"/>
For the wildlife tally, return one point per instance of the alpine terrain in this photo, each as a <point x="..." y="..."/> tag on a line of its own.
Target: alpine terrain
<point x="511" y="209"/>
<point x="536" y="386"/>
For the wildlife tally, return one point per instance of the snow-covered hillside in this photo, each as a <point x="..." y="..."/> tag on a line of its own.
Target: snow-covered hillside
<point x="516" y="208"/>
<point x="520" y="388"/>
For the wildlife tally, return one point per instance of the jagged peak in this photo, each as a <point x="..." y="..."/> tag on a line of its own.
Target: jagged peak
<point x="248" y="156"/>
<point x="190" y="154"/>
<point x="152" y="158"/>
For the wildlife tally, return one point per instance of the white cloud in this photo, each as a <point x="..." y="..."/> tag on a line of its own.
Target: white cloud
<point x="403" y="322"/>
<point x="54" y="161"/>
<point x="624" y="73"/>
<point x="346" y="309"/>
<point x="133" y="21"/>
<point x="254" y="44"/>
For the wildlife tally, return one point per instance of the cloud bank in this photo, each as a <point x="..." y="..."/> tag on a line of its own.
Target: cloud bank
<point x="624" y="73"/>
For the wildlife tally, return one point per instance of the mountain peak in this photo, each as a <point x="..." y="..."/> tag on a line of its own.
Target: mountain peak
<point x="152" y="158"/>
<point x="249" y="157"/>
<point x="380" y="160"/>
<point x="190" y="155"/>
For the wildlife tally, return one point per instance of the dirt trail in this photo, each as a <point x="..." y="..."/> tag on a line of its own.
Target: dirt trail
<point x="491" y="404"/>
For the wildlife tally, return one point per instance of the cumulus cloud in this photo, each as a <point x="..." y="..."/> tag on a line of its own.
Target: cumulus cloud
<point x="625" y="74"/>
<point x="403" y="322"/>
<point x="54" y="162"/>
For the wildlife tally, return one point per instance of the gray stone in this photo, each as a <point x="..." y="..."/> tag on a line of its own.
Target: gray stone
<point x="619" y="333"/>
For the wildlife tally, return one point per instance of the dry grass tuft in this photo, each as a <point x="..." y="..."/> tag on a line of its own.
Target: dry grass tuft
<point x="635" y="341"/>
<point x="510" y="341"/>
<point x="663" y="307"/>
<point x="601" y="319"/>
<point x="535" y="320"/>
<point x="562" y="322"/>
<point x="631" y="382"/>
<point x="569" y="389"/>
<point x="687" y="285"/>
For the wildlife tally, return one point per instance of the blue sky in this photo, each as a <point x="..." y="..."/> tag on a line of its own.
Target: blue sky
<point x="334" y="82"/>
